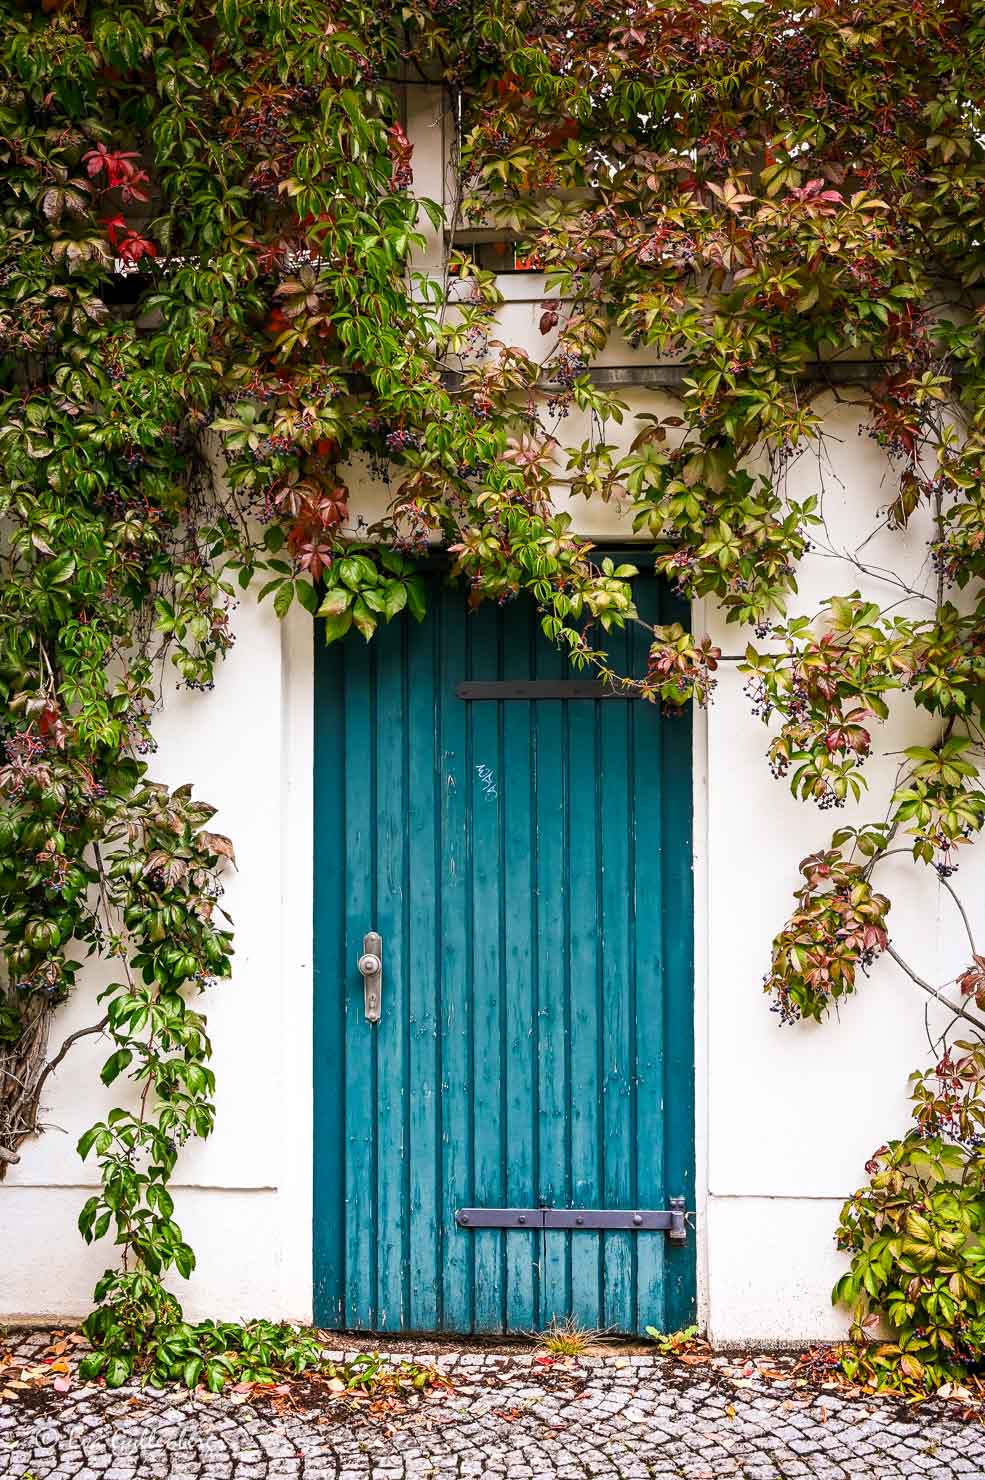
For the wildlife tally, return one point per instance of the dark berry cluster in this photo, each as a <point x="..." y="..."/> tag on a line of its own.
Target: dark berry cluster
<point x="273" y="446"/>
<point x="758" y="694"/>
<point x="566" y="366"/>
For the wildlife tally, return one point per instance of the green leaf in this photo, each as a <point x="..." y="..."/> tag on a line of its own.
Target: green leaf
<point x="417" y="597"/>
<point x="394" y="562"/>
<point x="395" y="598"/>
<point x="115" y="1065"/>
<point x="87" y="1218"/>
<point x="349" y="572"/>
<point x="215" y="1377"/>
<point x="338" y="626"/>
<point x="283" y="599"/>
<point x="184" y="1260"/>
<point x="335" y="602"/>
<point x="61" y="570"/>
<point x="363" y="618"/>
<point x="87" y="1140"/>
<point x="306" y="595"/>
<point x="192" y="1371"/>
<point x="375" y="599"/>
<point x="118" y="1371"/>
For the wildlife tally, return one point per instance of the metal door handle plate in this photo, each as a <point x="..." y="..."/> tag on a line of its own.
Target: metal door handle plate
<point x="370" y="967"/>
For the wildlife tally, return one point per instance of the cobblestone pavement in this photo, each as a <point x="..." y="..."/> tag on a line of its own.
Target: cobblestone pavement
<point x="505" y="1415"/>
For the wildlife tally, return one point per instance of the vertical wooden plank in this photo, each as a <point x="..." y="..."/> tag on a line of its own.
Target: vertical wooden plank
<point x="583" y="985"/>
<point x="678" y="912"/>
<point x="360" y="1057"/>
<point x="520" y="984"/>
<point x="329" y="988"/>
<point x="454" y="966"/>
<point x="646" y="955"/>
<point x="426" y="1209"/>
<point x="390" y="740"/>
<point x="615" y="1044"/>
<point x="486" y="792"/>
<point x="552" y="880"/>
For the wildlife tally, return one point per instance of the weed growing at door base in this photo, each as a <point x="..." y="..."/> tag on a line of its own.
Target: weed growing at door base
<point x="216" y="1354"/>
<point x="669" y="1343"/>
<point x="567" y="1338"/>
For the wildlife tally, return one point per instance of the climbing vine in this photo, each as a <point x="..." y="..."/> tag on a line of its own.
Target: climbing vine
<point x="212" y="318"/>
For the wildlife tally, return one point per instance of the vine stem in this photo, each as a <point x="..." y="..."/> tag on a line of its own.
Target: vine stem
<point x="963" y="913"/>
<point x="939" y="526"/>
<point x="6" y="1154"/>
<point x="454" y="164"/>
<point x="52" y="1064"/>
<point x="935" y="992"/>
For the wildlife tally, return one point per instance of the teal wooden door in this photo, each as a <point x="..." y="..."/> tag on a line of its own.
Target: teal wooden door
<point x="527" y="864"/>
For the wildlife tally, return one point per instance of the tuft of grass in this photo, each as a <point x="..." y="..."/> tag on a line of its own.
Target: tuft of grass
<point x="567" y="1339"/>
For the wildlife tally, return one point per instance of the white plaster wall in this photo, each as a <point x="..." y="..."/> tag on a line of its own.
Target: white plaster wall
<point x="793" y="1112"/>
<point x="243" y="1197"/>
<point x="786" y="1115"/>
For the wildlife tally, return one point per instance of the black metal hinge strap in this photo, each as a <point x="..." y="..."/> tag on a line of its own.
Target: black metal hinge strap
<point x="500" y="1217"/>
<point x="540" y="688"/>
<point x="672" y="1220"/>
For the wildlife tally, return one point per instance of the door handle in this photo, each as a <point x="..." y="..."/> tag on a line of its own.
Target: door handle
<point x="370" y="967"/>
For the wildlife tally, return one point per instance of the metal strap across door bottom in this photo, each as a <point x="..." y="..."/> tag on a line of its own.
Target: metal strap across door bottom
<point x="541" y="688"/>
<point x="672" y="1220"/>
